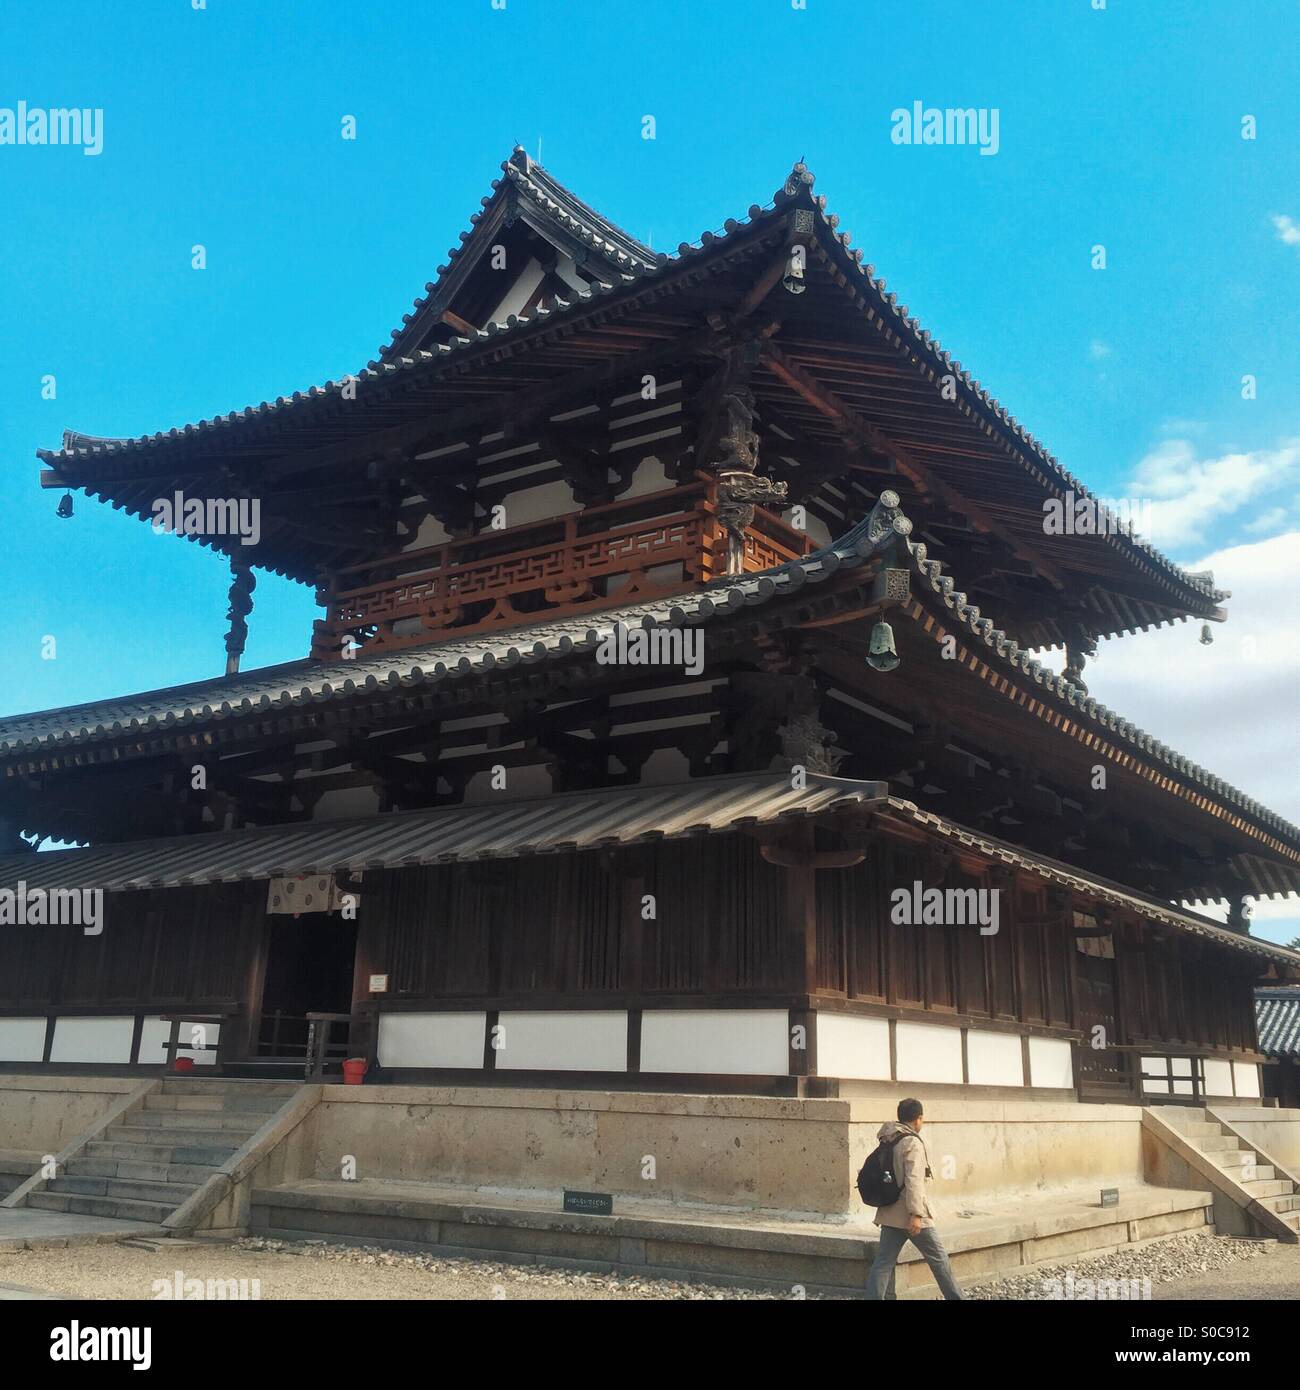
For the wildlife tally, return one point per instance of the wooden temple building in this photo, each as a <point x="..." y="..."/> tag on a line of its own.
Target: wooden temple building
<point x="676" y="634"/>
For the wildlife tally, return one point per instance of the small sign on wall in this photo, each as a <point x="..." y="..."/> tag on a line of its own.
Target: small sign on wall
<point x="1110" y="1196"/>
<point x="591" y="1203"/>
<point x="379" y="984"/>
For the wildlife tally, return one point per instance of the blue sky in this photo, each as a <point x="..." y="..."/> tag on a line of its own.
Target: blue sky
<point x="222" y="127"/>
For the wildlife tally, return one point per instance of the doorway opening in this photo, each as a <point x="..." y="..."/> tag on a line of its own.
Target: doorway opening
<point x="310" y="962"/>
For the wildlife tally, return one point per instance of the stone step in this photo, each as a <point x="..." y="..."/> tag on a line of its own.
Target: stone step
<point x="150" y="1213"/>
<point x="1244" y="1172"/>
<point x="1267" y="1187"/>
<point x="247" y="1120"/>
<point x="148" y="1171"/>
<point x="1214" y="1143"/>
<point x="184" y="1136"/>
<point x="1283" y="1203"/>
<point x="218" y="1103"/>
<point x="1182" y="1116"/>
<point x="201" y="1151"/>
<point x="206" y="1086"/>
<point x="1233" y="1158"/>
<point x="171" y="1193"/>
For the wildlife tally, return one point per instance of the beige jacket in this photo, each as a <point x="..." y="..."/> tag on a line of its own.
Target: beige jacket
<point x="909" y="1172"/>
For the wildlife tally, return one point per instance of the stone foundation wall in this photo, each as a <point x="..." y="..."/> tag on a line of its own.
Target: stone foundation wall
<point x="750" y="1152"/>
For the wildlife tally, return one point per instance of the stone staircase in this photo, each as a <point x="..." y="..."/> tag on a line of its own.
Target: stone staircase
<point x="146" y="1164"/>
<point x="1268" y="1192"/>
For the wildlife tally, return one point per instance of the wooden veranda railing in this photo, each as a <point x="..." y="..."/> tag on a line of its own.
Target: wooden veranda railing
<point x="631" y="550"/>
<point x="316" y="1042"/>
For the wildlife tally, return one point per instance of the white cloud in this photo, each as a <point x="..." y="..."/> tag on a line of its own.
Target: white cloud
<point x="1288" y="233"/>
<point x="1191" y="497"/>
<point x="1234" y="706"/>
<point x="1098" y="350"/>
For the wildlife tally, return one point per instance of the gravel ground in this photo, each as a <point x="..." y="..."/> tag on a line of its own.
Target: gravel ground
<point x="1171" y="1266"/>
<point x="318" y="1271"/>
<point x="1199" y="1265"/>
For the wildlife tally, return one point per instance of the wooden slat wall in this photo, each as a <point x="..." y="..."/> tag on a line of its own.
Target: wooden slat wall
<point x="180" y="946"/>
<point x="565" y="925"/>
<point x="1171" y="991"/>
<point x="1174" y="990"/>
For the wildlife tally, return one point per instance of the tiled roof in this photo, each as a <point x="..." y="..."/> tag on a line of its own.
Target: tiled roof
<point x="1053" y="871"/>
<point x="604" y="819"/>
<point x="309" y="682"/>
<point x="925" y="352"/>
<point x="1277" y="1020"/>
<point x="526" y="178"/>
<point x="555" y="824"/>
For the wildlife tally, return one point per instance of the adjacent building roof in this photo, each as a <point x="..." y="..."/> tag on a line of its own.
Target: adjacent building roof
<point x="609" y="818"/>
<point x="1277" y="1020"/>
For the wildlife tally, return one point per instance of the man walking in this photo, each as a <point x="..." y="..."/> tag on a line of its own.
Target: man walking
<point x="909" y="1217"/>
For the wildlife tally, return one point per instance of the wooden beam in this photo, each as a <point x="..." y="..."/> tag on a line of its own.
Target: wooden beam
<point x="862" y="432"/>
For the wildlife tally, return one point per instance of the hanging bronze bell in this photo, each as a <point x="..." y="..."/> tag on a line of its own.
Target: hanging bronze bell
<point x="1206" y="635"/>
<point x="793" y="280"/>
<point x="882" y="654"/>
<point x="64" y="508"/>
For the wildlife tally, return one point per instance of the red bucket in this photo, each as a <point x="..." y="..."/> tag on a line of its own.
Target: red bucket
<point x="185" y="1064"/>
<point x="354" y="1071"/>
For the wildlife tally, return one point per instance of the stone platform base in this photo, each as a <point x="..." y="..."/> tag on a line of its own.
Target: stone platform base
<point x="729" y="1247"/>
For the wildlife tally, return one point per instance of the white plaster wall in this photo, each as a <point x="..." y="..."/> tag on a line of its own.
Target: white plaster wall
<point x="1051" y="1063"/>
<point x="541" y="503"/>
<point x="1246" y="1075"/>
<point x="522" y="784"/>
<point x="558" y="1040"/>
<point x="431" y="532"/>
<point x="852" y="1047"/>
<point x="347" y="803"/>
<point x="22" y="1039"/>
<point x="814" y="527"/>
<point x="92" y="1039"/>
<point x="519" y="293"/>
<point x="432" y="1040"/>
<point x="153" y="1042"/>
<point x="994" y="1059"/>
<point x="663" y="767"/>
<point x="729" y="1041"/>
<point x="1218" y="1078"/>
<point x="650" y="476"/>
<point x="928" y="1052"/>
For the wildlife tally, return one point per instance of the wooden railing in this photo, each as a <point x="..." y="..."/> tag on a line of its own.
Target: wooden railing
<point x="632" y="550"/>
<point x="200" y="1020"/>
<point x="309" y="1041"/>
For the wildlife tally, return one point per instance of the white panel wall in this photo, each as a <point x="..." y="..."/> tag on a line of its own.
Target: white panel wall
<point x="728" y="1041"/>
<point x="994" y="1059"/>
<point x="1218" y="1078"/>
<point x="153" y="1042"/>
<point x="22" y="1039"/>
<point x="432" y="1040"/>
<point x="556" y="1040"/>
<point x="928" y="1052"/>
<point x="1246" y="1075"/>
<point x="93" y="1039"/>
<point x="853" y="1047"/>
<point x="1050" y="1063"/>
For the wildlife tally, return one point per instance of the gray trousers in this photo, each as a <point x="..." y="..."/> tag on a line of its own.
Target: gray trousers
<point x="892" y="1240"/>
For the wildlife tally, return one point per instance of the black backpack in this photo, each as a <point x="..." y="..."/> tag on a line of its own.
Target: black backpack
<point x="877" y="1185"/>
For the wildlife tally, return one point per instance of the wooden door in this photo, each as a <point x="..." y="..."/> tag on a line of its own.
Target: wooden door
<point x="1104" y="1074"/>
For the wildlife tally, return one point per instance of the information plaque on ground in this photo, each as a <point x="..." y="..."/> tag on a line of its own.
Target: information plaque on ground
<point x="593" y="1203"/>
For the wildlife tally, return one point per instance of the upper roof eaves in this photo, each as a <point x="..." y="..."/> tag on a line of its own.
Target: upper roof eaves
<point x="920" y="346"/>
